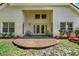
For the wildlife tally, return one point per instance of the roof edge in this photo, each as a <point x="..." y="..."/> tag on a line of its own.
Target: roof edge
<point x="74" y="5"/>
<point x="17" y="4"/>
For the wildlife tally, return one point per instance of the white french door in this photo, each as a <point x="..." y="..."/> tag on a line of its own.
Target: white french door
<point x="39" y="29"/>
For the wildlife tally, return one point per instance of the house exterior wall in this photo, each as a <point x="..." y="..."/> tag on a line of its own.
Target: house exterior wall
<point x="12" y="15"/>
<point x="59" y="14"/>
<point x="64" y="14"/>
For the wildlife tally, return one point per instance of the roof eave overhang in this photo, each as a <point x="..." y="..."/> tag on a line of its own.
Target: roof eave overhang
<point x="41" y="4"/>
<point x="74" y="7"/>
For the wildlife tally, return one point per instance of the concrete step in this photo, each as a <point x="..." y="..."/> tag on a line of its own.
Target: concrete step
<point x="36" y="37"/>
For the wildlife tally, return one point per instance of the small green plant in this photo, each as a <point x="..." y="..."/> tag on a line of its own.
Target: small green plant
<point x="62" y="32"/>
<point x="77" y="32"/>
<point x="11" y="34"/>
<point x="0" y="34"/>
<point x="49" y="33"/>
<point x="7" y="34"/>
<point x="4" y="34"/>
<point x="69" y="31"/>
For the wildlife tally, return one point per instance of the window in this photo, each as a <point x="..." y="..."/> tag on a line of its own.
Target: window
<point x="70" y="26"/>
<point x="43" y="16"/>
<point x="66" y="26"/>
<point x="37" y="16"/>
<point x="63" y="26"/>
<point x="11" y="27"/>
<point x="5" y="27"/>
<point x="40" y="16"/>
<point x="8" y="27"/>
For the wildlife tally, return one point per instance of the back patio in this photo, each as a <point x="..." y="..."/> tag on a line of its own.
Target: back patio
<point x="35" y="43"/>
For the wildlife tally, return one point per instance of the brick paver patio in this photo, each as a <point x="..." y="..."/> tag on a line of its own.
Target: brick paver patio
<point x="35" y="43"/>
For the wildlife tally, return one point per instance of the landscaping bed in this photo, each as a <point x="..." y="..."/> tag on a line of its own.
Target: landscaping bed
<point x="64" y="48"/>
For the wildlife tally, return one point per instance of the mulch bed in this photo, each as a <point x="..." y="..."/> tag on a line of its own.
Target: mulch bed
<point x="8" y="38"/>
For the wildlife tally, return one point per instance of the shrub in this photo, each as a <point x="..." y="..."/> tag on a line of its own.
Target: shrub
<point x="77" y="32"/>
<point x="0" y="34"/>
<point x="7" y="34"/>
<point x="4" y="34"/>
<point x="49" y="33"/>
<point x="65" y="33"/>
<point x="62" y="32"/>
<point x="11" y="34"/>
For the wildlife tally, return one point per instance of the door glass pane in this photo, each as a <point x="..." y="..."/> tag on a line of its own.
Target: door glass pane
<point x="23" y="28"/>
<point x="42" y="28"/>
<point x="38" y="29"/>
<point x="46" y="28"/>
<point x="34" y="28"/>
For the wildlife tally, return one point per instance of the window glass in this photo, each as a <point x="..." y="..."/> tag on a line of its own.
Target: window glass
<point x="23" y="28"/>
<point x="34" y="28"/>
<point x="11" y="27"/>
<point x="37" y="16"/>
<point x="5" y="27"/>
<point x="8" y="27"/>
<point x="66" y="26"/>
<point x="44" y="16"/>
<point x="42" y="28"/>
<point x="38" y="29"/>
<point x="70" y="26"/>
<point x="62" y="26"/>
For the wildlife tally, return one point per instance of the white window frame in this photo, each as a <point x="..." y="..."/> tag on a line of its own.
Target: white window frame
<point x="40" y="16"/>
<point x="8" y="26"/>
<point x="66" y="24"/>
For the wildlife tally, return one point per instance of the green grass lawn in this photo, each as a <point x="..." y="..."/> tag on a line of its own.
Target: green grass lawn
<point x="64" y="48"/>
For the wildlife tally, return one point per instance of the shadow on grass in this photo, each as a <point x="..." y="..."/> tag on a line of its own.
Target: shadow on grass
<point x="77" y="42"/>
